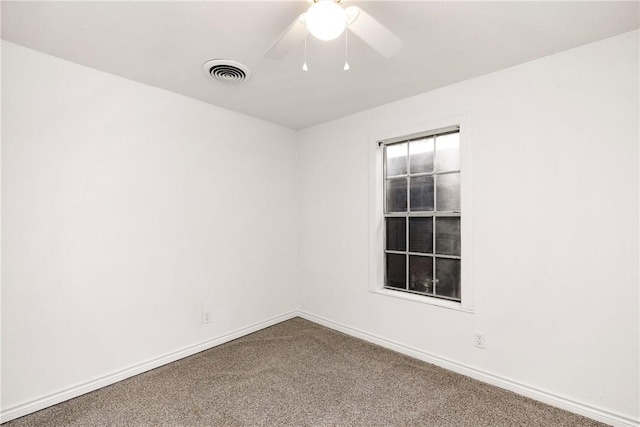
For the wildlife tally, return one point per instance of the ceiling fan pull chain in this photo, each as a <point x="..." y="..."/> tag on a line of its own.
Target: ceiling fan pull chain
<point x="346" y="51"/>
<point x="304" y="66"/>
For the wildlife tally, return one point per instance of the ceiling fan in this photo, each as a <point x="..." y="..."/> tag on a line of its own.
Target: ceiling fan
<point x="326" y="20"/>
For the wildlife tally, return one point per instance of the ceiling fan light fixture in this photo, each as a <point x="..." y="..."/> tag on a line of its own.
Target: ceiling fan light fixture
<point x="326" y="20"/>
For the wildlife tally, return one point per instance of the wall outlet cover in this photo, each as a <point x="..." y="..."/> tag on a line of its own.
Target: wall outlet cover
<point x="206" y="316"/>
<point x="479" y="339"/>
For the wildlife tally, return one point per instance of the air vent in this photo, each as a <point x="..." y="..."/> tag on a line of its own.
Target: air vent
<point x="226" y="71"/>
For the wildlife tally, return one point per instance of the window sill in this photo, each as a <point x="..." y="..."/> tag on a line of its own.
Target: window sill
<point x="452" y="305"/>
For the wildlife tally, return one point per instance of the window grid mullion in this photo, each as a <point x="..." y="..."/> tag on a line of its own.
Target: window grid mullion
<point x="434" y="279"/>
<point x="384" y="210"/>
<point x="422" y="254"/>
<point x="416" y="175"/>
<point x="406" y="221"/>
<point x="424" y="214"/>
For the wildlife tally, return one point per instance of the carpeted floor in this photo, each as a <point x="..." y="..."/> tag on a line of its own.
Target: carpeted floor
<point x="298" y="373"/>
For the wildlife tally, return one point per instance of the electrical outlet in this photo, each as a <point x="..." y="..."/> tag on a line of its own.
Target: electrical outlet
<point x="479" y="339"/>
<point x="206" y="316"/>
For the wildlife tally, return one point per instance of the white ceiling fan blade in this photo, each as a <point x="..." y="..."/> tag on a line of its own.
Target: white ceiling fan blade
<point x="288" y="39"/>
<point x="373" y="33"/>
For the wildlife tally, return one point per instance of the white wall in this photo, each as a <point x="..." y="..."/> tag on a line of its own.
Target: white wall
<point x="554" y="153"/>
<point x="126" y="211"/>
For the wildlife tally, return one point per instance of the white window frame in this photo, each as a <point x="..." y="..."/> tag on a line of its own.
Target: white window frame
<point x="376" y="212"/>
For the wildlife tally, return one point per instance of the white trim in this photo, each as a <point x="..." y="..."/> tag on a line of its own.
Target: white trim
<point x="522" y="389"/>
<point x="453" y="305"/>
<point x="89" y="386"/>
<point x="549" y="398"/>
<point x="420" y="135"/>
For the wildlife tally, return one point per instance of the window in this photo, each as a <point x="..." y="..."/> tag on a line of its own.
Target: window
<point x="422" y="214"/>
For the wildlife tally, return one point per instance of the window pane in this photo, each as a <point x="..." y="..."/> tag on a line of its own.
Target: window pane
<point x="424" y="220"/>
<point x="448" y="276"/>
<point x="396" y="234"/>
<point x="422" y="193"/>
<point x="397" y="159"/>
<point x="448" y="192"/>
<point x="448" y="152"/>
<point x="396" y="271"/>
<point x="397" y="195"/>
<point x="421" y="235"/>
<point x="448" y="236"/>
<point x="421" y="274"/>
<point x="421" y="155"/>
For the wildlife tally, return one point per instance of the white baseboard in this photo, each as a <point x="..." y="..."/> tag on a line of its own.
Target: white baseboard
<point x="537" y="394"/>
<point x="80" y="389"/>
<point x="522" y="389"/>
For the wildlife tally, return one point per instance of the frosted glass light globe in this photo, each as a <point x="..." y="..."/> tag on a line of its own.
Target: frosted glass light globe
<point x="326" y="20"/>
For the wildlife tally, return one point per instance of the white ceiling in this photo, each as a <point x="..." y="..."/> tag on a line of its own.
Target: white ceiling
<point x="165" y="43"/>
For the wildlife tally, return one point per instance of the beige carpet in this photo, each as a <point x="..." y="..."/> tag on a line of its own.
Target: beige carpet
<point x="298" y="373"/>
